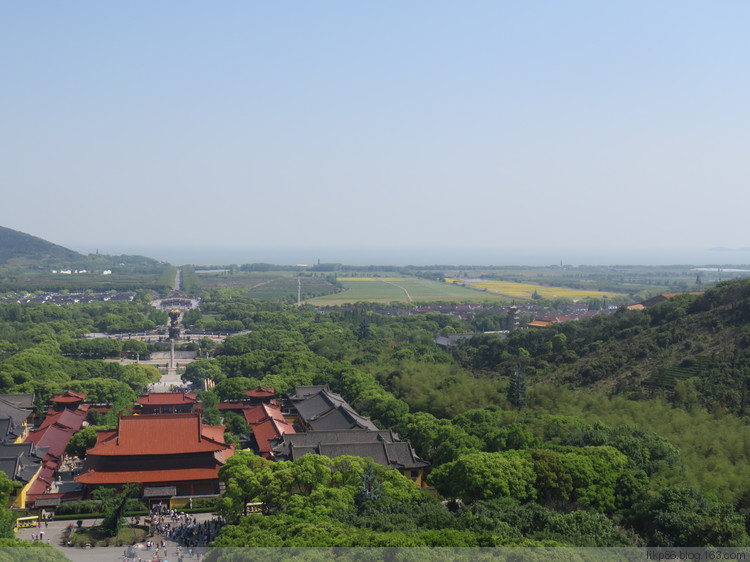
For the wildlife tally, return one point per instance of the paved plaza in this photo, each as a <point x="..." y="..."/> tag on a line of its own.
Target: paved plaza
<point x="53" y="533"/>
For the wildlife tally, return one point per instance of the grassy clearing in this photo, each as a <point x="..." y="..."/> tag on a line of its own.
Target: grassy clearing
<point x="526" y="290"/>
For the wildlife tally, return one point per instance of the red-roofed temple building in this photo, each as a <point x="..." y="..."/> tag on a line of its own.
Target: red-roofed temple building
<point x="260" y="394"/>
<point x="55" y="432"/>
<point x="267" y="423"/>
<point x="68" y="400"/>
<point x="167" y="403"/>
<point x="174" y="457"/>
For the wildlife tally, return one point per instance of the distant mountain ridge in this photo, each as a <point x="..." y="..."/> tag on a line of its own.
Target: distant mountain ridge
<point x="21" y="247"/>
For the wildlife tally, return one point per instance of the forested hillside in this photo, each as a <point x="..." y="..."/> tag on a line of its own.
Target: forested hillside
<point x="18" y="245"/>
<point x="585" y="467"/>
<point x="690" y="349"/>
<point x="29" y="264"/>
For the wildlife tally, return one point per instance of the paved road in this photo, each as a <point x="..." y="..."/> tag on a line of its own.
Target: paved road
<point x="167" y="381"/>
<point x="53" y="532"/>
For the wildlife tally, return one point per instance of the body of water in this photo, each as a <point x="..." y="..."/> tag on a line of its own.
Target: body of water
<point x="206" y="256"/>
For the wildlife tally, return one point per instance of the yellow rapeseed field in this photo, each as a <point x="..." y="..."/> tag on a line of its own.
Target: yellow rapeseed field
<point x="526" y="290"/>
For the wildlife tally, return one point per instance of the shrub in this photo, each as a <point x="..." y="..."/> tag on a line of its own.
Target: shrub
<point x="78" y="506"/>
<point x="206" y="503"/>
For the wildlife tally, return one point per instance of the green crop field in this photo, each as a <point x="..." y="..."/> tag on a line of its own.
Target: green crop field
<point x="240" y="279"/>
<point x="270" y="285"/>
<point x="401" y="289"/>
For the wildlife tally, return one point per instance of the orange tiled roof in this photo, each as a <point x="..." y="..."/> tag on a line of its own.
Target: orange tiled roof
<point x="153" y="468"/>
<point x="260" y="392"/>
<point x="165" y="398"/>
<point x="269" y="429"/>
<point x="214" y="432"/>
<point x="69" y="397"/>
<point x="54" y="436"/>
<point x="225" y="406"/>
<point x="267" y="422"/>
<point x="254" y="414"/>
<point x="147" y="476"/>
<point x="67" y="418"/>
<point x="160" y="435"/>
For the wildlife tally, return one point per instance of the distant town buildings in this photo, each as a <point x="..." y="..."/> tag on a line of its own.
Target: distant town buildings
<point x="67" y="298"/>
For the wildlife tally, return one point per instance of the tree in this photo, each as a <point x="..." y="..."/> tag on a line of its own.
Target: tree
<point x="372" y="489"/>
<point x="681" y="515"/>
<point x="192" y="317"/>
<point x="517" y="389"/>
<point x="486" y="475"/>
<point x="595" y="471"/>
<point x="136" y="349"/>
<point x="114" y="504"/>
<point x="237" y="424"/>
<point x="138" y="377"/>
<point x="7" y="517"/>
<point x="210" y="406"/>
<point x="80" y="442"/>
<point x="585" y="528"/>
<point x="105" y="390"/>
<point x="234" y="389"/>
<point x="559" y="343"/>
<point x="246" y="477"/>
<point x="553" y="482"/>
<point x="436" y="440"/>
<point x="364" y="332"/>
<point x="198" y="371"/>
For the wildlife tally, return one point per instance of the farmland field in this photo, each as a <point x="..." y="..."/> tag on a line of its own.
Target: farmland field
<point x="273" y="285"/>
<point x="401" y="289"/>
<point x="526" y="290"/>
<point x="386" y="287"/>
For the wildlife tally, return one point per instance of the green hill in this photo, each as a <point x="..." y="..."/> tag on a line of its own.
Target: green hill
<point x="691" y="349"/>
<point x="18" y="247"/>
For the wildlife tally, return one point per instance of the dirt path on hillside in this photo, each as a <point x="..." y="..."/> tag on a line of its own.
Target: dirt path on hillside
<point x="408" y="296"/>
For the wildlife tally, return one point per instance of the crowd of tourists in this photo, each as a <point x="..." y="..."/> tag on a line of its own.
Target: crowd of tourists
<point x="185" y="529"/>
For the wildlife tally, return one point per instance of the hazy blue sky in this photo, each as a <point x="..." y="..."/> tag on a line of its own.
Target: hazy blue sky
<point x="530" y="124"/>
